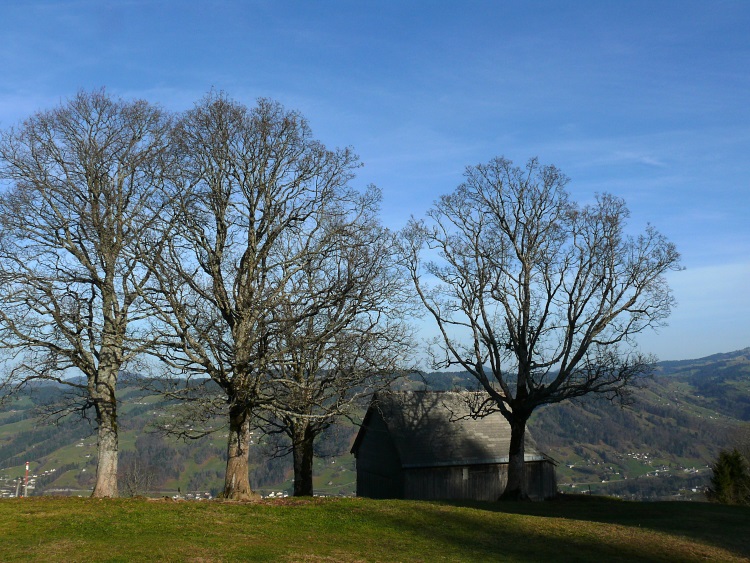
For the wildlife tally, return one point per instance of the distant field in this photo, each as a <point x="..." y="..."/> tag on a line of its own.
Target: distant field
<point x="574" y="529"/>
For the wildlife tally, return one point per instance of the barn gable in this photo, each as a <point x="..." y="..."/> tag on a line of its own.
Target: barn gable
<point x="427" y="445"/>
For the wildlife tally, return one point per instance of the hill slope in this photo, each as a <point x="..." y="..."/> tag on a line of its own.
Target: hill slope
<point x="662" y="445"/>
<point x="57" y="529"/>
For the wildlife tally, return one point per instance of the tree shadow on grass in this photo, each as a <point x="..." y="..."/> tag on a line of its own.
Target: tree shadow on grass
<point x="721" y="526"/>
<point x="470" y="536"/>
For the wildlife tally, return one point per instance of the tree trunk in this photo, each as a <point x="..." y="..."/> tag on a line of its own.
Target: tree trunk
<point x="237" y="479"/>
<point x="102" y="389"/>
<point x="106" y="467"/>
<point x="302" y="451"/>
<point x="515" y="488"/>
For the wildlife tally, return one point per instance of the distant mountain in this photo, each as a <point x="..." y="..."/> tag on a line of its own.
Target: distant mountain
<point x="721" y="381"/>
<point x="730" y="364"/>
<point x="659" y="447"/>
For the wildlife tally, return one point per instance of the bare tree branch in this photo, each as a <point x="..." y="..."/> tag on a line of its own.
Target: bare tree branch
<point x="255" y="193"/>
<point x="538" y="298"/>
<point x="80" y="206"/>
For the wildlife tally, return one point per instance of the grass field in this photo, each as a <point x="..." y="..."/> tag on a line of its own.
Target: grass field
<point x="577" y="529"/>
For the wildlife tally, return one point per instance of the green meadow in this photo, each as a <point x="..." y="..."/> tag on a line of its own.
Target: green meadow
<point x="570" y="529"/>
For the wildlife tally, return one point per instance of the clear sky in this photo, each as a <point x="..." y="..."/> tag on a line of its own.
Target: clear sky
<point x="649" y="100"/>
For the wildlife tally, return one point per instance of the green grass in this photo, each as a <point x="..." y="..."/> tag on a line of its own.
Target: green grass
<point x="583" y="529"/>
<point x="8" y="430"/>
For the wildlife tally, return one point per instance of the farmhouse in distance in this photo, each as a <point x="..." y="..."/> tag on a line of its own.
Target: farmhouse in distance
<point x="427" y="445"/>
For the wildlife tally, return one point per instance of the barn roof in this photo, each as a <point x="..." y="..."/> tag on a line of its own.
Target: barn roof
<point x="432" y="429"/>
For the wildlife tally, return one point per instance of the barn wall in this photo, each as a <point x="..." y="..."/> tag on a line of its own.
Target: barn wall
<point x="379" y="472"/>
<point x="480" y="482"/>
<point x="476" y="482"/>
<point x="541" y="479"/>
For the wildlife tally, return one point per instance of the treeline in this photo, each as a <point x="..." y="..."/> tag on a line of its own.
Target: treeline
<point x="225" y="242"/>
<point x="589" y="429"/>
<point x="235" y="250"/>
<point x="163" y="462"/>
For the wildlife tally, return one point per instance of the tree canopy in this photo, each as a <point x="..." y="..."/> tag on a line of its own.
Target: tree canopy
<point x="81" y="207"/>
<point x="536" y="297"/>
<point x="277" y="280"/>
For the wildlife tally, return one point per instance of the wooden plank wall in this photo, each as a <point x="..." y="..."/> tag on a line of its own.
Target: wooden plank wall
<point x="379" y="473"/>
<point x="477" y="482"/>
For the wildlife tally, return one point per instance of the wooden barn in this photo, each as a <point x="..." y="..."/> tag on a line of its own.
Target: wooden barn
<point x="425" y="445"/>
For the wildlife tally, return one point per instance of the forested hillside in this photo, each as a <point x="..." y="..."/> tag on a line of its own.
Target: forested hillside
<point x="663" y="443"/>
<point x="62" y="455"/>
<point x="660" y="446"/>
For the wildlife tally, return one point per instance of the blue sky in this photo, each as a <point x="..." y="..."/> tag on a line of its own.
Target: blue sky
<point x="647" y="100"/>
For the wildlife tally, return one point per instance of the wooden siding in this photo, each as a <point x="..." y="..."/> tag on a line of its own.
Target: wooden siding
<point x="476" y="482"/>
<point x="541" y="479"/>
<point x="379" y="472"/>
<point x="481" y="482"/>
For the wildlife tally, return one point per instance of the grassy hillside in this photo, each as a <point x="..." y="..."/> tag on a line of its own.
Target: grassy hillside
<point x="595" y="529"/>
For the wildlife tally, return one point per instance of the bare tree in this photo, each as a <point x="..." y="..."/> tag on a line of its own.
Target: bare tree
<point x="79" y="208"/>
<point x="136" y="477"/>
<point x="537" y="298"/>
<point x="257" y="189"/>
<point x="341" y="334"/>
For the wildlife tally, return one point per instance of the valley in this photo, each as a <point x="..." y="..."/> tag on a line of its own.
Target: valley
<point x="659" y="447"/>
